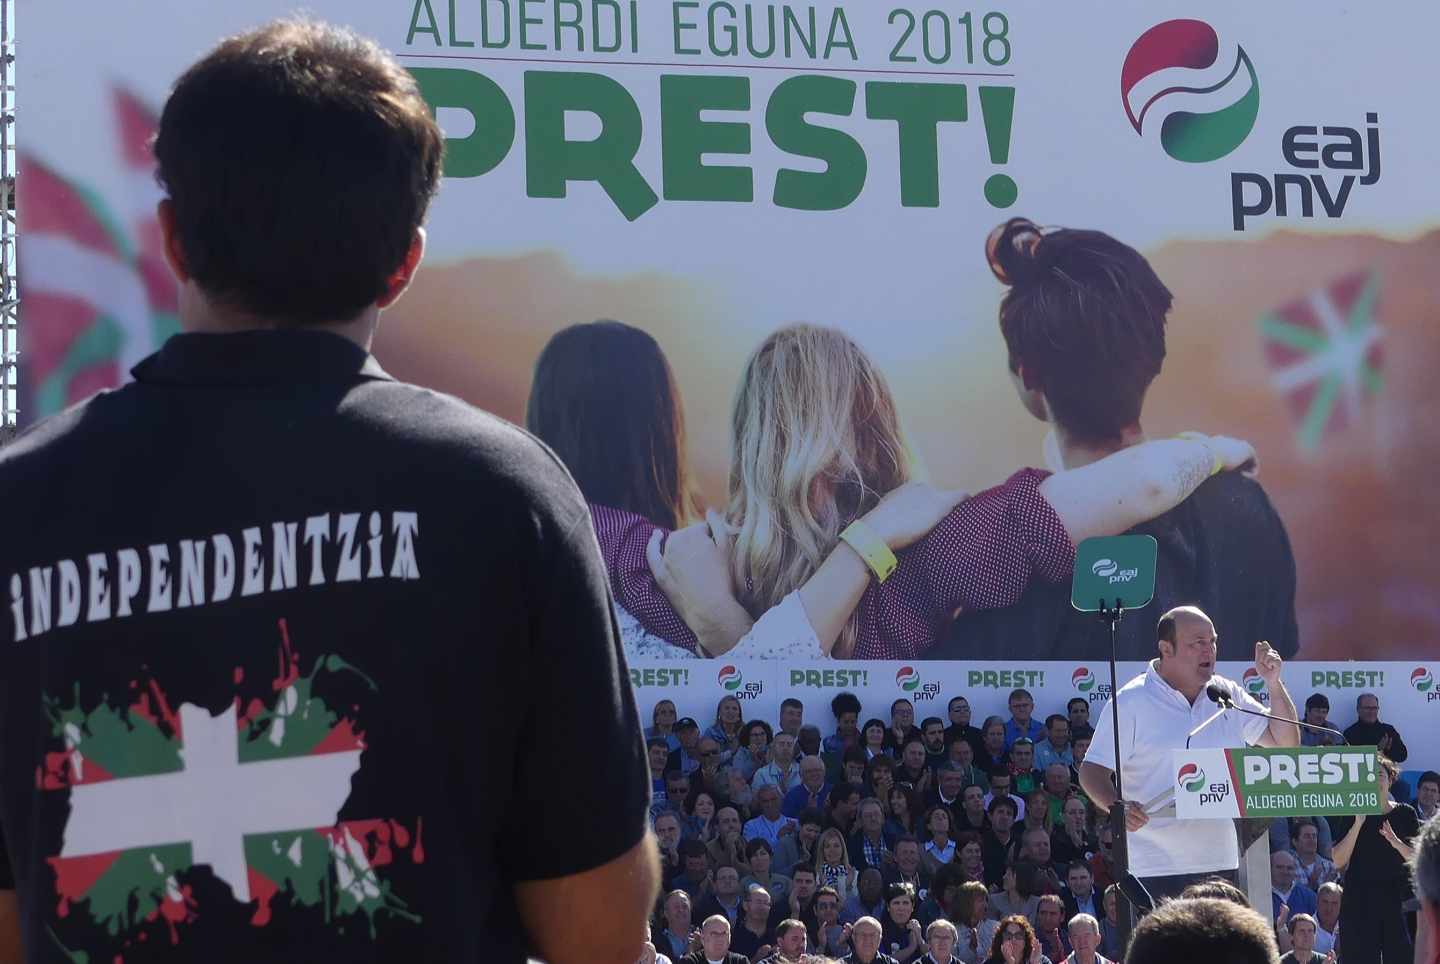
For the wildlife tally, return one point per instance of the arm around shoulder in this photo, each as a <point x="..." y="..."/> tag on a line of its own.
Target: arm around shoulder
<point x="597" y="915"/>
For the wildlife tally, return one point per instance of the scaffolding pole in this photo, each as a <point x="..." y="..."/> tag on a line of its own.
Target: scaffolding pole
<point x="9" y="293"/>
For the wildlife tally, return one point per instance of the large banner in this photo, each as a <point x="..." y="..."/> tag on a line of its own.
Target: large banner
<point x="712" y="172"/>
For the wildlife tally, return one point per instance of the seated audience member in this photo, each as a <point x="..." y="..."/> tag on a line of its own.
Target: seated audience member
<point x="939" y="901"/>
<point x="1110" y="924"/>
<point x="761" y="855"/>
<point x="865" y="939"/>
<point x="911" y="769"/>
<point x="1287" y="892"/>
<point x="1058" y="789"/>
<point x="908" y="868"/>
<point x="1427" y="795"/>
<point x="833" y="867"/>
<point x="1000" y="784"/>
<point x="940" y="939"/>
<point x="1425" y="868"/>
<point x="846" y="709"/>
<point x="1021" y="724"/>
<point x="801" y="902"/>
<point x="1317" y="712"/>
<point x="1300" y="931"/>
<point x="1284" y="830"/>
<point x="867" y="846"/>
<point x="829" y="936"/>
<point x="1073" y="839"/>
<point x="1084" y="931"/>
<point x="902" y="727"/>
<point x="991" y="754"/>
<point x="791" y="941"/>
<point x="880" y="778"/>
<point x="852" y="767"/>
<point x="900" y="932"/>
<point x="932" y="734"/>
<point x="1035" y="847"/>
<point x="869" y="899"/>
<point x="1311" y="868"/>
<point x="694" y="870"/>
<point x="972" y="816"/>
<point x="754" y="750"/>
<point x="658" y="750"/>
<point x="673" y="935"/>
<point x="1217" y="888"/>
<point x="767" y="824"/>
<point x="686" y="757"/>
<point x="1102" y="862"/>
<point x="809" y="742"/>
<point x="792" y="716"/>
<point x="999" y="844"/>
<point x="946" y="786"/>
<point x="940" y="847"/>
<point x="752" y="933"/>
<point x="1024" y="778"/>
<point x="799" y="847"/>
<point x="1055" y="747"/>
<point x="668" y="835"/>
<point x="1079" y="746"/>
<point x="727" y="849"/>
<point x="714" y="944"/>
<point x="873" y="739"/>
<point x="783" y="770"/>
<point x="959" y="712"/>
<point x="842" y="807"/>
<point x="1367" y="730"/>
<point x="970" y="857"/>
<point x="1200" y="930"/>
<point x="962" y="756"/>
<point x="1079" y="892"/>
<point x="904" y="816"/>
<point x="1037" y="814"/>
<point x="1050" y="928"/>
<point x="677" y="788"/>
<point x="1327" y="917"/>
<point x="699" y="816"/>
<point x="1078" y="711"/>
<point x="975" y="927"/>
<point x="1018" y="891"/>
<point x="812" y="792"/>
<point x="1015" y="943"/>
<point x="715" y="772"/>
<point x="725" y="897"/>
<point x="662" y="719"/>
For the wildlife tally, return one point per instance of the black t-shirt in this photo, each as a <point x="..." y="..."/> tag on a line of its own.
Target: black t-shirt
<point x="282" y="638"/>
<point x="744" y="941"/>
<point x="1374" y="863"/>
<point x="1224" y="549"/>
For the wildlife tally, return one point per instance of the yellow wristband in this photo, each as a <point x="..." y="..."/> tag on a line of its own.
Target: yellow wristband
<point x="872" y="549"/>
<point x="1204" y="440"/>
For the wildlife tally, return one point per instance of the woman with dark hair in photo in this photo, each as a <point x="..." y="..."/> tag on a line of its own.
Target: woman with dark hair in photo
<point x="754" y="751"/>
<point x="904" y="815"/>
<point x="900" y="932"/>
<point x="872" y="738"/>
<point x="699" y="807"/>
<point x="821" y="497"/>
<point x="1374" y="853"/>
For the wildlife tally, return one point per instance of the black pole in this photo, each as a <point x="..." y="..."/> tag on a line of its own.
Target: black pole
<point x="1124" y="910"/>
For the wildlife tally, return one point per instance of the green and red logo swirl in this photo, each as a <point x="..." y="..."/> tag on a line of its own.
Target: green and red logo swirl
<point x="907" y="678"/>
<point x="1191" y="778"/>
<point x="730" y="678"/>
<point x="1190" y="135"/>
<point x="1082" y="679"/>
<point x="1422" y="679"/>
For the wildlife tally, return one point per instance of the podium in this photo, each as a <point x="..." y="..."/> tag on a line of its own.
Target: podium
<point x="1262" y="783"/>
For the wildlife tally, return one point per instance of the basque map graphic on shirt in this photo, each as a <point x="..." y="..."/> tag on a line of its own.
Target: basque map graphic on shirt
<point x="252" y="793"/>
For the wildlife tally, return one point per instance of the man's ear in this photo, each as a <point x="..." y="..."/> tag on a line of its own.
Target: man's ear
<point x="174" y="256"/>
<point x="400" y="279"/>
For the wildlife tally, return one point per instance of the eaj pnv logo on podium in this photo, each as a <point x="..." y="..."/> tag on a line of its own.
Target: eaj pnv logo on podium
<point x="1275" y="782"/>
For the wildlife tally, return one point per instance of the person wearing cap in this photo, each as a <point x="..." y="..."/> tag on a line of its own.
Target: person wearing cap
<point x="687" y="758"/>
<point x="1317" y="711"/>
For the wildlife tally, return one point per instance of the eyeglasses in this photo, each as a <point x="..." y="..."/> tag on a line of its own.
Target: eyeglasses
<point x="1014" y="936"/>
<point x="709" y="752"/>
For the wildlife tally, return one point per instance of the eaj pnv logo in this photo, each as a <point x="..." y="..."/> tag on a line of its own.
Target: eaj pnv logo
<point x="1422" y="680"/>
<point x="1082" y="679"/>
<point x="1191" y="778"/>
<point x="1253" y="682"/>
<point x="730" y="678"/>
<point x="907" y="678"/>
<point x="1189" y="133"/>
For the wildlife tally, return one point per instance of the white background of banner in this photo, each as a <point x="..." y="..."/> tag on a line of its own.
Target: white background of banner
<point x="696" y="688"/>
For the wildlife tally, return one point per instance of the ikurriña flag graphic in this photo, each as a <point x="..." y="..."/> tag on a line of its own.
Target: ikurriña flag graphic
<point x="253" y="793"/>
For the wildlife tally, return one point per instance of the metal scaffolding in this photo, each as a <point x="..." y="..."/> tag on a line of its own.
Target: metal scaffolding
<point x="9" y="293"/>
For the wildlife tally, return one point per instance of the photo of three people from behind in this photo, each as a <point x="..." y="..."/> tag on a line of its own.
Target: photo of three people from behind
<point x="828" y="546"/>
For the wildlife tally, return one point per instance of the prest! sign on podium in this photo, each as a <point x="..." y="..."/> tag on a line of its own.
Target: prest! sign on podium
<point x="1276" y="782"/>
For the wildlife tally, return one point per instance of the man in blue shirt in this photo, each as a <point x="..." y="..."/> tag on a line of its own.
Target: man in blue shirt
<point x="1055" y="748"/>
<point x="1022" y="704"/>
<point x="812" y="792"/>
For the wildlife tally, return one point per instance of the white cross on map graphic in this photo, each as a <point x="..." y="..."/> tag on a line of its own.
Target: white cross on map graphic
<point x="213" y="803"/>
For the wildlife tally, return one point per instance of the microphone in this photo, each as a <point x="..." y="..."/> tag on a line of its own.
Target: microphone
<point x="1219" y="695"/>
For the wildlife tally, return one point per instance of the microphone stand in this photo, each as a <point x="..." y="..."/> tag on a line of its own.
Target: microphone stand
<point x="1125" y="911"/>
<point x="1226" y="703"/>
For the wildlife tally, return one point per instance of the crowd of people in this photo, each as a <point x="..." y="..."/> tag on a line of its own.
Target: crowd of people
<point x="938" y="840"/>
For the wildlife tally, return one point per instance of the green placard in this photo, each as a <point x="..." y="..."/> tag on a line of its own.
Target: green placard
<point x="1276" y="782"/>
<point x="1113" y="567"/>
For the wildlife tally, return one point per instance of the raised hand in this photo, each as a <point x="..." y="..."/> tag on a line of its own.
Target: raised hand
<point x="1267" y="662"/>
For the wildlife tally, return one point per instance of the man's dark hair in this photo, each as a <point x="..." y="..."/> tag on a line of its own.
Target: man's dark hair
<point x="812" y="816"/>
<point x="604" y="398"/>
<point x="1085" y="319"/>
<point x="899" y="889"/>
<point x="1429" y="776"/>
<point x="1315" y="700"/>
<point x="841" y="792"/>
<point x="997" y="803"/>
<point x="655" y="741"/>
<point x="855" y="754"/>
<point x="790" y="701"/>
<point x="758" y="844"/>
<point x="907" y="838"/>
<point x="845" y="703"/>
<point x="826" y="891"/>
<point x="899" y="701"/>
<point x="1015" y="694"/>
<point x="1203" y="929"/>
<point x="300" y="159"/>
<point x="1076" y="699"/>
<point x="690" y="847"/>
<point x="1054" y="718"/>
<point x="929" y="720"/>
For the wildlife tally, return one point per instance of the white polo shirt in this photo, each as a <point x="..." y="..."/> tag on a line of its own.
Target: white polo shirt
<point x="1154" y="719"/>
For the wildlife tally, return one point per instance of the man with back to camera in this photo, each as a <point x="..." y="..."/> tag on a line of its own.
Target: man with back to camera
<point x="1157" y="710"/>
<point x="286" y="608"/>
<point x="1084" y="326"/>
<point x="1425" y="866"/>
<point x="1201" y="930"/>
